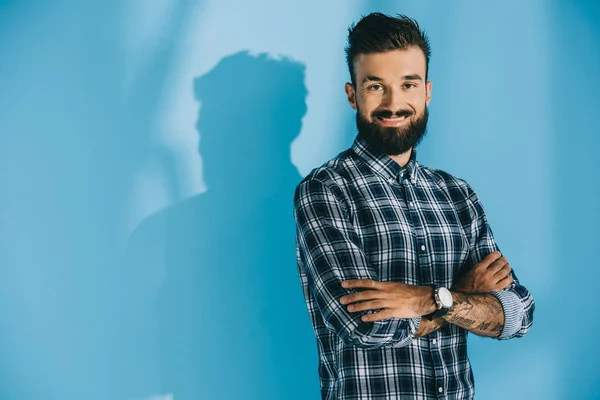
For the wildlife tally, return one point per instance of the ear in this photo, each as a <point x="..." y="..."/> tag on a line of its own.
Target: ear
<point x="351" y="93"/>
<point x="428" y="94"/>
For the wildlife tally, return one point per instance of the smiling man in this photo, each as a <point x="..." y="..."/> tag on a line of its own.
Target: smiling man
<point x="397" y="260"/>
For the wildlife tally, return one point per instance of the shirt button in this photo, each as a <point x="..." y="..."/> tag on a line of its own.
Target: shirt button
<point x="410" y="203"/>
<point x="422" y="247"/>
<point x="440" y="389"/>
<point x="391" y="180"/>
<point x="434" y="341"/>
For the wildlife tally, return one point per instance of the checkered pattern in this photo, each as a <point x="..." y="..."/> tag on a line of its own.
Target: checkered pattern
<point x="362" y="216"/>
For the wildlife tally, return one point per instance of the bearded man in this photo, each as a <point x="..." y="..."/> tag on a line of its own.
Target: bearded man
<point x="397" y="261"/>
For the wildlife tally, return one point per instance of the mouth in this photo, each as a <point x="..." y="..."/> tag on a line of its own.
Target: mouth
<point x="394" y="121"/>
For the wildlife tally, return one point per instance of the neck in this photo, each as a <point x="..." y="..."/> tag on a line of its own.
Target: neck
<point x="402" y="159"/>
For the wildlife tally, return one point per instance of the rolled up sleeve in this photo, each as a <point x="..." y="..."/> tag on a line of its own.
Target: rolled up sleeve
<point x="516" y="301"/>
<point x="330" y="252"/>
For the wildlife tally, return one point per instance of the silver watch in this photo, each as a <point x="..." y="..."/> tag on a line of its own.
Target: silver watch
<point x="443" y="301"/>
<point x="443" y="298"/>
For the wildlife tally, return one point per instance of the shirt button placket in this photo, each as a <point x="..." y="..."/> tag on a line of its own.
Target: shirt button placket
<point x="419" y="230"/>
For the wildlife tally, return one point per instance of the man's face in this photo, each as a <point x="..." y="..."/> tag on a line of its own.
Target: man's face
<point x="390" y="97"/>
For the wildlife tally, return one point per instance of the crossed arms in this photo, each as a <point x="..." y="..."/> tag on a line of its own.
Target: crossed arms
<point x="474" y="308"/>
<point x="488" y="298"/>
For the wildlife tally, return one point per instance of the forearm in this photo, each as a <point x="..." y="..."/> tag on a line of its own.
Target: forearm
<point x="481" y="314"/>
<point x="427" y="327"/>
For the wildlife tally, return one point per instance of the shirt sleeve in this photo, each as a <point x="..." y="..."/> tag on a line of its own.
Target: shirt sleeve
<point x="329" y="253"/>
<point x="516" y="301"/>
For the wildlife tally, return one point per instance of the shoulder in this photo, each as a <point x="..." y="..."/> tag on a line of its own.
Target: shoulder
<point x="457" y="188"/>
<point x="333" y="176"/>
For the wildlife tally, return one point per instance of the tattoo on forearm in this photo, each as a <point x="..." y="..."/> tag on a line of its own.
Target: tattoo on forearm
<point x="479" y="313"/>
<point x="426" y="327"/>
<point x="483" y="326"/>
<point x="464" y="322"/>
<point x="425" y="331"/>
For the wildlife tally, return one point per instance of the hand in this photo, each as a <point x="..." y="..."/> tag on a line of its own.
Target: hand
<point x="492" y="273"/>
<point x="396" y="300"/>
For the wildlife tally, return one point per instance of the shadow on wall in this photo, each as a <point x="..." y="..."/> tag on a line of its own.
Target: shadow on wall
<point x="227" y="306"/>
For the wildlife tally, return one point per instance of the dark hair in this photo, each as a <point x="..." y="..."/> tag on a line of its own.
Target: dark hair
<point x="378" y="33"/>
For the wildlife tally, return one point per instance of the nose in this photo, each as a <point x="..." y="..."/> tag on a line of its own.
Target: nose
<point x="393" y="100"/>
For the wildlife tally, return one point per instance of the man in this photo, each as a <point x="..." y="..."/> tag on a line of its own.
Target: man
<point x="397" y="260"/>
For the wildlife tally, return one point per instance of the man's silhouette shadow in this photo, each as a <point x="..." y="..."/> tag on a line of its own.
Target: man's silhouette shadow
<point x="231" y="320"/>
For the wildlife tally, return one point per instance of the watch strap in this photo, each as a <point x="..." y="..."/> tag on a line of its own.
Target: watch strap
<point x="437" y="313"/>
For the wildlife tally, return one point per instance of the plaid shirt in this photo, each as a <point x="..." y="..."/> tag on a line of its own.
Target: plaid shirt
<point x="362" y="216"/>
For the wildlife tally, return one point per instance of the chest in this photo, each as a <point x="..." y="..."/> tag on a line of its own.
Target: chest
<point x="410" y="233"/>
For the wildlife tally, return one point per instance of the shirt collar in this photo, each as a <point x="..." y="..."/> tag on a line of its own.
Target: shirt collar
<point x="383" y="164"/>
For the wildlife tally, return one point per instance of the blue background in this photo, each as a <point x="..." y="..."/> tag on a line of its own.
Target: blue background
<point x="148" y="155"/>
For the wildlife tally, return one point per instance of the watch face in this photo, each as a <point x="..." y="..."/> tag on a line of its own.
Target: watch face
<point x="445" y="297"/>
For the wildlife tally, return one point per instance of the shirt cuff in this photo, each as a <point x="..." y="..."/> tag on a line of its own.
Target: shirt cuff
<point x="413" y="327"/>
<point x="513" y="312"/>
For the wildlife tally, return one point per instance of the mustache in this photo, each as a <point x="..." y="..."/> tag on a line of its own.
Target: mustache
<point x="390" y="114"/>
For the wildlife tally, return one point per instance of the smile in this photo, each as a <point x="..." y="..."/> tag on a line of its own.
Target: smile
<point x="394" y="121"/>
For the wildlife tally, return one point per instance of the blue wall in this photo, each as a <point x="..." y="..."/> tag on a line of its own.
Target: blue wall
<point x="148" y="154"/>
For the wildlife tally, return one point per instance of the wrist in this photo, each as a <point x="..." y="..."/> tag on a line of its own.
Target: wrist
<point x="426" y="300"/>
<point x="453" y="292"/>
<point x="455" y="299"/>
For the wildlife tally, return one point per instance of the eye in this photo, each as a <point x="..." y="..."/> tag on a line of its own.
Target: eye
<point x="375" y="87"/>
<point x="409" y="86"/>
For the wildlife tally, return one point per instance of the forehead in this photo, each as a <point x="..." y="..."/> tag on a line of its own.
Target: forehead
<point x="391" y="64"/>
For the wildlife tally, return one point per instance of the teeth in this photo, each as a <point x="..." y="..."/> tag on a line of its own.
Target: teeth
<point x="395" y="119"/>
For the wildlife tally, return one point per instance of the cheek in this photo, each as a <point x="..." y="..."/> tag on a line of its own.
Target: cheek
<point x="368" y="104"/>
<point x="418" y="103"/>
<point x="420" y="100"/>
<point x="419" y="108"/>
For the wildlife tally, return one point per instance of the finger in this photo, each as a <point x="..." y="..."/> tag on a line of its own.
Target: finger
<point x="367" y="305"/>
<point x="361" y="296"/>
<point x="378" y="316"/>
<point x="490" y="258"/>
<point x="497" y="265"/>
<point x="503" y="272"/>
<point x="504" y="283"/>
<point x="361" y="283"/>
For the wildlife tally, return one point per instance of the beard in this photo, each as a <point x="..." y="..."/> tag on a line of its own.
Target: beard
<point x="390" y="140"/>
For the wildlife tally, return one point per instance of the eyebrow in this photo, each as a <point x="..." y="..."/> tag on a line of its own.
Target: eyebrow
<point x="373" y="78"/>
<point x="415" y="77"/>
